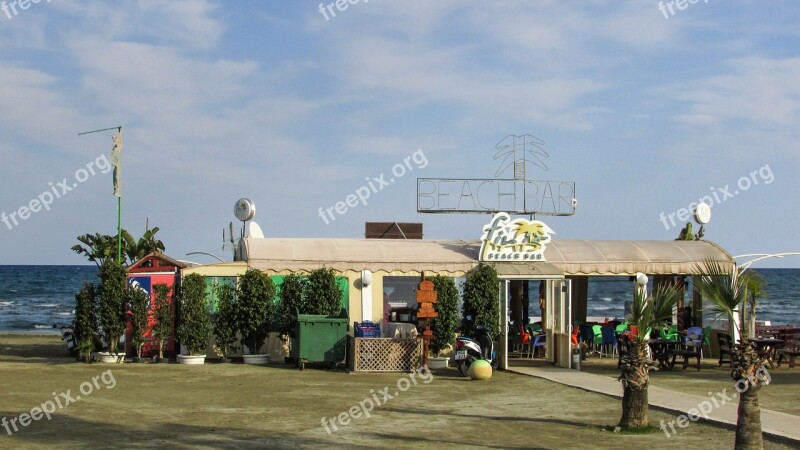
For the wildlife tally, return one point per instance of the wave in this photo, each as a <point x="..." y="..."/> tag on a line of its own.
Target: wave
<point x="7" y="303"/>
<point x="41" y="327"/>
<point x="49" y="305"/>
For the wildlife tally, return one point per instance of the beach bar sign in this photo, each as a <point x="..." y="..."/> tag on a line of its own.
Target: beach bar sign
<point x="517" y="195"/>
<point x="519" y="240"/>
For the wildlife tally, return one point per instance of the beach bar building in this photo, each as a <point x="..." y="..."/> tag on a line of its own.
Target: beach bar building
<point x="381" y="274"/>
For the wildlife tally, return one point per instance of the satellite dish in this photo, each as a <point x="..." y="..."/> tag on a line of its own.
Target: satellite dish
<point x="702" y="213"/>
<point x="256" y="231"/>
<point x="244" y="209"/>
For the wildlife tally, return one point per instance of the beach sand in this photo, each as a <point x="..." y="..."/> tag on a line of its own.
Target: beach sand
<point x="277" y="406"/>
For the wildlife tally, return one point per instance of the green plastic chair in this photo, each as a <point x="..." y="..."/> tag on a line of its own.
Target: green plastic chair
<point x="621" y="328"/>
<point x="672" y="333"/>
<point x="597" y="342"/>
<point x="706" y="340"/>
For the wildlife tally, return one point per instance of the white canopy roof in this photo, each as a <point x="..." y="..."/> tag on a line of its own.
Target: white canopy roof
<point x="571" y="257"/>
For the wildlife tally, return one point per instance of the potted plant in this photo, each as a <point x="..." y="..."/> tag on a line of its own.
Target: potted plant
<point x="481" y="308"/>
<point x="112" y="308"/>
<point x="224" y="320"/>
<point x="138" y="305"/>
<point x="255" y="308"/>
<point x="164" y="317"/>
<point x="85" y="327"/>
<point x="444" y="326"/>
<point x="194" y="322"/>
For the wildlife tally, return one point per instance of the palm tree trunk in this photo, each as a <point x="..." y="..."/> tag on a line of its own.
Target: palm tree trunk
<point x="635" y="377"/>
<point x="634" y="408"/>
<point x="748" y="424"/>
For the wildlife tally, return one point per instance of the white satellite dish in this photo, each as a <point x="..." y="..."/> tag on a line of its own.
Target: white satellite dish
<point x="702" y="213"/>
<point x="244" y="209"/>
<point x="256" y="231"/>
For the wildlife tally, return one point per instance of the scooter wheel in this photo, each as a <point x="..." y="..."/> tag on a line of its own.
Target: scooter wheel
<point x="464" y="367"/>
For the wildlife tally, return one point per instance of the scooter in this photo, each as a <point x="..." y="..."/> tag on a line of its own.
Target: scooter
<point x="469" y="349"/>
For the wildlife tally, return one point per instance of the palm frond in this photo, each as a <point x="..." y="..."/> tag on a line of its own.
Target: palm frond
<point x="725" y="289"/>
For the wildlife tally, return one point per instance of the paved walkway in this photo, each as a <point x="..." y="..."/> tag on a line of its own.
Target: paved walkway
<point x="772" y="422"/>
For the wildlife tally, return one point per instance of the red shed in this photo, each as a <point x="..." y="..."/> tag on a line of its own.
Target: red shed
<point x="144" y="274"/>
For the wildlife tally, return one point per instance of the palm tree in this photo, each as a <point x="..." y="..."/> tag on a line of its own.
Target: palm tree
<point x="727" y="290"/>
<point x="755" y="288"/>
<point x="647" y="313"/>
<point x="100" y="247"/>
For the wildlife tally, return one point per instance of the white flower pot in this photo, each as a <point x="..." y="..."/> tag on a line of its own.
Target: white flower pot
<point x="438" y="363"/>
<point x="191" y="359"/>
<point x="256" y="359"/>
<point x="110" y="358"/>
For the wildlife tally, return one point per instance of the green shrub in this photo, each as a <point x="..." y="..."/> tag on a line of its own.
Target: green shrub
<point x="194" y="322"/>
<point x="163" y="315"/>
<point x="112" y="302"/>
<point x="85" y="320"/>
<point x="138" y="302"/>
<point x="481" y="301"/>
<point x="323" y="295"/>
<point x="444" y="326"/>
<point x="256" y="307"/>
<point x="224" y="320"/>
<point x="293" y="299"/>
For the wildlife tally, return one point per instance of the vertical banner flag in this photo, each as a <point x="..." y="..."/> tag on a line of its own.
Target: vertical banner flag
<point x="116" y="161"/>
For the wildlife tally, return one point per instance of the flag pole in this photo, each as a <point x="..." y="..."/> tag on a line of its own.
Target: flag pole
<point x="119" y="208"/>
<point x="117" y="188"/>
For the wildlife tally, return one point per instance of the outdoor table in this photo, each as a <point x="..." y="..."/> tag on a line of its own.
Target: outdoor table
<point x="661" y="349"/>
<point x="766" y="348"/>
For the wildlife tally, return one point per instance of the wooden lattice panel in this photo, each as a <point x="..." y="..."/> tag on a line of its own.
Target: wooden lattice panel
<point x="385" y="355"/>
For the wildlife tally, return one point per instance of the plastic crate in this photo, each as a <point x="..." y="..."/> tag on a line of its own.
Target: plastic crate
<point x="367" y="329"/>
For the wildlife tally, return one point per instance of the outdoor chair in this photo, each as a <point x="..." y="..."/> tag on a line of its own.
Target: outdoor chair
<point x="707" y="339"/>
<point x="672" y="333"/>
<point x="597" y="341"/>
<point x="725" y="348"/>
<point x="540" y="340"/>
<point x="608" y="340"/>
<point x="513" y="339"/>
<point x="524" y="342"/>
<point x="692" y="347"/>
<point x="621" y="328"/>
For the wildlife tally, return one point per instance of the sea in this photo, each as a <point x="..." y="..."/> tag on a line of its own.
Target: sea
<point x="41" y="299"/>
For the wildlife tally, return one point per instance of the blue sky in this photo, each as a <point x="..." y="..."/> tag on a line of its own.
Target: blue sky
<point x="645" y="110"/>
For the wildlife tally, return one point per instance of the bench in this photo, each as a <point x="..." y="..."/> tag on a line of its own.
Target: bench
<point x="791" y="348"/>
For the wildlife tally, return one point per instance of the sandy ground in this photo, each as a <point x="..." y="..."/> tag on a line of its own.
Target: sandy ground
<point x="277" y="406"/>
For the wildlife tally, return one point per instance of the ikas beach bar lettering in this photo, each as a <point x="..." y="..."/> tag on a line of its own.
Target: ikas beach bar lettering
<point x="504" y="239"/>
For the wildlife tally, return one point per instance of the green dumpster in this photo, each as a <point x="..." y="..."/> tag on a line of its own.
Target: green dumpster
<point x="320" y="339"/>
